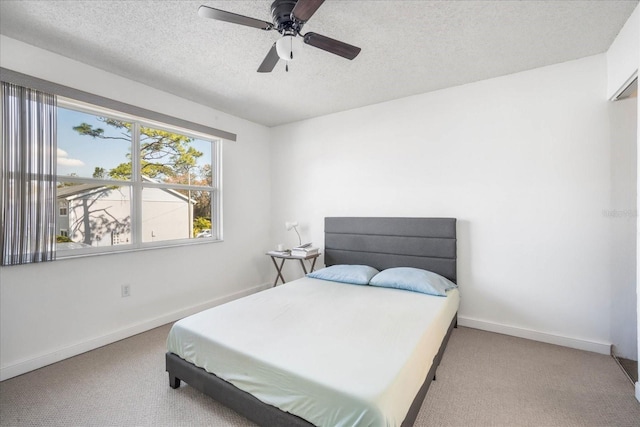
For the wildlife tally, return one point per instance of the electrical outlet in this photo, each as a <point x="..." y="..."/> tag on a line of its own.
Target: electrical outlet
<point x="126" y="290"/>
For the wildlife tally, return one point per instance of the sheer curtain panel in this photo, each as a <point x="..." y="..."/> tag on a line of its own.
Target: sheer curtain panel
<point x="28" y="174"/>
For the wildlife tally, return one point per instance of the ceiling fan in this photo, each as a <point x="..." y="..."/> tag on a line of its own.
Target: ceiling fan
<point x="289" y="16"/>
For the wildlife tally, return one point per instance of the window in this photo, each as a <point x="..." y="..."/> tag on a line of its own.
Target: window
<point x="126" y="183"/>
<point x="62" y="208"/>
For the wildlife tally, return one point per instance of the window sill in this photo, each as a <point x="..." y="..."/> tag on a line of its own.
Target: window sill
<point x="91" y="252"/>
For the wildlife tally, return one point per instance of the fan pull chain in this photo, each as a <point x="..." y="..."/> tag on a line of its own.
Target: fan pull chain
<point x="290" y="54"/>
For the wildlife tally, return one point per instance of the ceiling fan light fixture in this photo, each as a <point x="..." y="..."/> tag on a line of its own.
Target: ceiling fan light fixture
<point x="289" y="47"/>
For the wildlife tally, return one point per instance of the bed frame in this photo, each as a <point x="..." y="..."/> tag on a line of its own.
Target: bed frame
<point x="428" y="243"/>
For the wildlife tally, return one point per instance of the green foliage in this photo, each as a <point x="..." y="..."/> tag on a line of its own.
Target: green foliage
<point x="200" y="224"/>
<point x="163" y="154"/>
<point x="87" y="129"/>
<point x="63" y="239"/>
<point x="122" y="171"/>
<point x="99" y="172"/>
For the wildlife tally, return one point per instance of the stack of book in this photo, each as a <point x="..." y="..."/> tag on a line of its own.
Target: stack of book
<point x="304" y="251"/>
<point x="279" y="253"/>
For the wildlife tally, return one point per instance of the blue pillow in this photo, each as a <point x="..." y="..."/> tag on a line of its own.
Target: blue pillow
<point x="354" y="274"/>
<point x="413" y="279"/>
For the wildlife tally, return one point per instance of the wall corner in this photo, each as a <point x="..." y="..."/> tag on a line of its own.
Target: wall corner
<point x="623" y="56"/>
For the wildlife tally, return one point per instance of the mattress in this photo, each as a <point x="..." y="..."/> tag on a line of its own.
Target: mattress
<point x="333" y="354"/>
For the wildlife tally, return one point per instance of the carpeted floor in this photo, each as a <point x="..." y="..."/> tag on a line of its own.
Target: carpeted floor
<point x="485" y="379"/>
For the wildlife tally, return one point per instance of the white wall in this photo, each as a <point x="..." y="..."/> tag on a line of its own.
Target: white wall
<point x="523" y="161"/>
<point x="53" y="310"/>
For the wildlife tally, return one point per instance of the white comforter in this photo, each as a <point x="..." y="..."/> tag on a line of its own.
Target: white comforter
<point x="331" y="353"/>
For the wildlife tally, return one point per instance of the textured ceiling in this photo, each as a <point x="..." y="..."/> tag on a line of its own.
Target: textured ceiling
<point x="408" y="47"/>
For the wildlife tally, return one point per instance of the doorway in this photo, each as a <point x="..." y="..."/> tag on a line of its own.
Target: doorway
<point x="623" y="215"/>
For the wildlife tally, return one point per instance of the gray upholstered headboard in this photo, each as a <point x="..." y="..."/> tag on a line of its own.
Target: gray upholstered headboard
<point x="427" y="243"/>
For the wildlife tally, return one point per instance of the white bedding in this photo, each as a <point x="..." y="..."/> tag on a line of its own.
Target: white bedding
<point x="331" y="353"/>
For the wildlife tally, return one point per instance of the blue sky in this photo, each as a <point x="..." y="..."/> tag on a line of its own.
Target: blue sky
<point x="82" y="154"/>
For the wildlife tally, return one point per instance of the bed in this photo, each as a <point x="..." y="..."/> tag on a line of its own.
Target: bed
<point x="318" y="352"/>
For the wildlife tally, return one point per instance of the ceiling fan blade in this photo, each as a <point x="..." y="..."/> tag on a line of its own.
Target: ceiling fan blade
<point x="269" y="61"/>
<point x="330" y="45"/>
<point x="304" y="9"/>
<point x="221" y="15"/>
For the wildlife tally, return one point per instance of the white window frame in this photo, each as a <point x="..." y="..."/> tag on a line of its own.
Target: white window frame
<point x="137" y="185"/>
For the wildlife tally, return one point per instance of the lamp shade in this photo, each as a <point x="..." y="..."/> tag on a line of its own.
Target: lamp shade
<point x="289" y="47"/>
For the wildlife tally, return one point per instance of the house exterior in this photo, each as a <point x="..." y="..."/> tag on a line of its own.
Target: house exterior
<point x="99" y="215"/>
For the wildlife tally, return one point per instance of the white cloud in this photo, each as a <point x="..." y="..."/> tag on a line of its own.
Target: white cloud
<point x="64" y="160"/>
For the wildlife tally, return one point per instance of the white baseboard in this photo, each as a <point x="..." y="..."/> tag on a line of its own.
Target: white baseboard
<point x="596" y="347"/>
<point x="28" y="365"/>
<point x="638" y="391"/>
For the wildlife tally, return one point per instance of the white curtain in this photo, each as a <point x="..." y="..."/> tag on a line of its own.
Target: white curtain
<point x="28" y="176"/>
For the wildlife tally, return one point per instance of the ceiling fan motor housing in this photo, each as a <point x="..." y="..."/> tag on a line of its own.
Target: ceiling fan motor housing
<point x="282" y="18"/>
